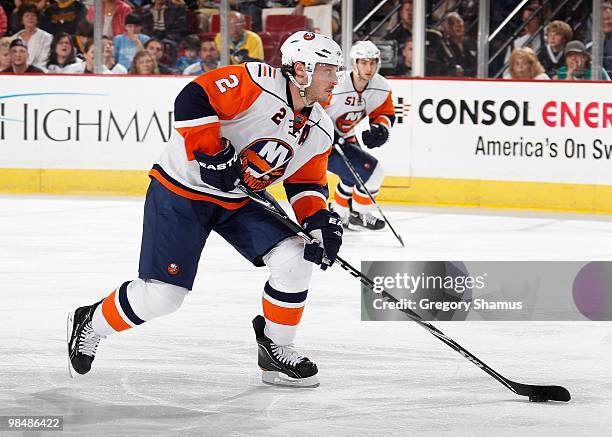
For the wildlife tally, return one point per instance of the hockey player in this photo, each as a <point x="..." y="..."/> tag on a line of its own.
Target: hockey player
<point x="364" y="93"/>
<point x="248" y="124"/>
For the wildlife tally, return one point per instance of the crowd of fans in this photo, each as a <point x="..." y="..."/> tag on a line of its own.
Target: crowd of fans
<point x="181" y="37"/>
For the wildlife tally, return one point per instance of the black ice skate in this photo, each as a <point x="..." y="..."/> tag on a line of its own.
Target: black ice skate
<point x="82" y="340"/>
<point x="282" y="365"/>
<point x="359" y="221"/>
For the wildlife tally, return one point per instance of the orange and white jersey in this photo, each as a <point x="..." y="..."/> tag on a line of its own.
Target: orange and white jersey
<point x="250" y="105"/>
<point x="347" y="107"/>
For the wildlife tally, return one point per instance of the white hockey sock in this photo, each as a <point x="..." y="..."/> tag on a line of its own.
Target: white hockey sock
<point x="285" y="292"/>
<point x="135" y="302"/>
<point x="341" y="200"/>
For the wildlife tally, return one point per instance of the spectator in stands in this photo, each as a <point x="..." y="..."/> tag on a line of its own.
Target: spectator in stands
<point x="5" y="57"/>
<point x="209" y="59"/>
<point x="115" y="13"/>
<point x="18" y="53"/>
<point x="86" y="67"/>
<point x="62" y="53"/>
<point x="607" y="30"/>
<point x="439" y="58"/>
<point x="524" y="65"/>
<point x="37" y="40"/>
<point x="558" y="33"/>
<point x="139" y="5"/>
<point x="190" y="45"/>
<point x="3" y="22"/>
<point x="156" y="48"/>
<point x="405" y="69"/>
<point x="404" y="29"/>
<point x="254" y="8"/>
<point x="531" y="27"/>
<point x="63" y="16"/>
<point x="578" y="63"/>
<point x="165" y="19"/>
<point x="244" y="44"/>
<point x="15" y="23"/>
<point x="467" y="9"/>
<point x="129" y="42"/>
<point x="84" y="34"/>
<point x="108" y="59"/>
<point x="144" y="63"/>
<point x="463" y="48"/>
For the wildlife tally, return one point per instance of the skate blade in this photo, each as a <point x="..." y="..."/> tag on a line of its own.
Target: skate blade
<point x="69" y="325"/>
<point x="359" y="228"/>
<point x="278" y="378"/>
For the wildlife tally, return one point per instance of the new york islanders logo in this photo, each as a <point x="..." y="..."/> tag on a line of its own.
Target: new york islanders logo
<point x="347" y="121"/>
<point x="264" y="161"/>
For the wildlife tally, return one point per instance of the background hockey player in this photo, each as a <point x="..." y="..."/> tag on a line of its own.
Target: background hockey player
<point x="364" y="93"/>
<point x="249" y="124"/>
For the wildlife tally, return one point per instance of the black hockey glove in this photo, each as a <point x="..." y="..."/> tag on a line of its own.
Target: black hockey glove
<point x="376" y="136"/>
<point x="326" y="227"/>
<point x="222" y="170"/>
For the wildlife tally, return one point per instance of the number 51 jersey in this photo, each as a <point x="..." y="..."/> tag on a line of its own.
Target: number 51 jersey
<point x="347" y="107"/>
<point x="250" y="105"/>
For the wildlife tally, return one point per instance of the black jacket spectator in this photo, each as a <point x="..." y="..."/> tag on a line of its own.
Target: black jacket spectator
<point x="439" y="58"/>
<point x="30" y="69"/>
<point x="466" y="55"/>
<point x="404" y="27"/>
<point x="63" y="16"/>
<point x="164" y="19"/>
<point x="18" y="52"/>
<point x="464" y="48"/>
<point x="558" y="33"/>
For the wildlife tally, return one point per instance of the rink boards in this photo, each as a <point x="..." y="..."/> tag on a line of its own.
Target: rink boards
<point x="506" y="144"/>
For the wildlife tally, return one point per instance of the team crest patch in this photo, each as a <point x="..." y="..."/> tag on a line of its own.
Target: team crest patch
<point x="309" y="36"/>
<point x="347" y="121"/>
<point x="173" y="268"/>
<point x="264" y="161"/>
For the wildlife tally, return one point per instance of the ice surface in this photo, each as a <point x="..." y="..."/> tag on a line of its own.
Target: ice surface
<point x="194" y="372"/>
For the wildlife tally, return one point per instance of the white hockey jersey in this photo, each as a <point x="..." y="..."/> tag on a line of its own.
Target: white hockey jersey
<point x="251" y="106"/>
<point x="347" y="107"/>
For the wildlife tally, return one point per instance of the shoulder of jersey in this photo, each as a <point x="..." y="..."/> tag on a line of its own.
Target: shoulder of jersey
<point x="380" y="82"/>
<point x="265" y="76"/>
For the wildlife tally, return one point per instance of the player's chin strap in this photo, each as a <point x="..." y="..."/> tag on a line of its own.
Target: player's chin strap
<point x="301" y="88"/>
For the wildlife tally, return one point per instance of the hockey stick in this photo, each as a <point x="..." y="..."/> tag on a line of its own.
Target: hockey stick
<point x="365" y="189"/>
<point x="536" y="393"/>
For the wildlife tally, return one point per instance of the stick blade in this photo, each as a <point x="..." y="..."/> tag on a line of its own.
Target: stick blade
<point x="399" y="237"/>
<point x="542" y="393"/>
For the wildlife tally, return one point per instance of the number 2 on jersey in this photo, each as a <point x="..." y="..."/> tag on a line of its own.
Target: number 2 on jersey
<point x="276" y="118"/>
<point x="227" y="82"/>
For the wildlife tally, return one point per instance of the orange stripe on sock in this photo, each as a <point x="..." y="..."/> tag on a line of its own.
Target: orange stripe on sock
<point x="111" y="314"/>
<point x="281" y="315"/>
<point x="361" y="200"/>
<point x="341" y="200"/>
